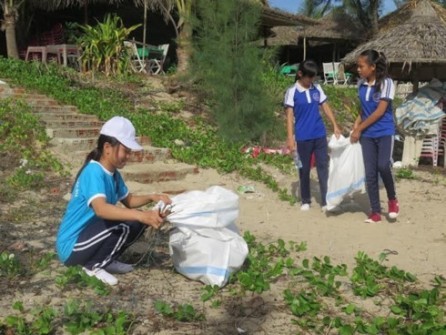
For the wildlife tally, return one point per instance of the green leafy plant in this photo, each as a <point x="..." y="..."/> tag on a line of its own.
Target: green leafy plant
<point x="182" y="312"/>
<point x="404" y="173"/>
<point x="75" y="275"/>
<point x="10" y="267"/>
<point x="368" y="276"/>
<point x="103" y="46"/>
<point x="23" y="145"/>
<point x="80" y="317"/>
<point x="42" y="322"/>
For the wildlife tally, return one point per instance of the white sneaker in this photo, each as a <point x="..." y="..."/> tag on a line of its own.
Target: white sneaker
<point x="102" y="275"/>
<point x="119" y="267"/>
<point x="324" y="209"/>
<point x="305" y="207"/>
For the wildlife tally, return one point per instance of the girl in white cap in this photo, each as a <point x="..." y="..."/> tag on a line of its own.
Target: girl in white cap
<point x="94" y="231"/>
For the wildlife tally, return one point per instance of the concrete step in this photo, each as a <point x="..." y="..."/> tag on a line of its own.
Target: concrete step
<point x="74" y="144"/>
<point x="55" y="109"/>
<point x="58" y="124"/>
<point x="42" y="102"/>
<point x="78" y="133"/>
<point x="70" y="144"/>
<point x="157" y="172"/>
<point x="150" y="155"/>
<point x="68" y="116"/>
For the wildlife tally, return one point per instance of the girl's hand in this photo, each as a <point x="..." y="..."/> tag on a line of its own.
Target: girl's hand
<point x="337" y="131"/>
<point x="291" y="144"/>
<point x="355" y="135"/>
<point x="162" y="197"/>
<point x="151" y="218"/>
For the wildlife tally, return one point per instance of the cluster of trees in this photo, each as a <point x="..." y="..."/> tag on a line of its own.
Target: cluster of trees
<point x="365" y="12"/>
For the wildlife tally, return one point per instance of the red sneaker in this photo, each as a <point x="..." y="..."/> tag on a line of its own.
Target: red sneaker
<point x="373" y="218"/>
<point x="394" y="209"/>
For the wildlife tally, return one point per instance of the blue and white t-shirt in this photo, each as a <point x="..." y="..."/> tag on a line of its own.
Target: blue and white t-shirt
<point x="93" y="182"/>
<point x="308" y="123"/>
<point x="370" y="98"/>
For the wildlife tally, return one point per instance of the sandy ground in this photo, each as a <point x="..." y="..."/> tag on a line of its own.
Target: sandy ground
<point x="417" y="239"/>
<point x="417" y="242"/>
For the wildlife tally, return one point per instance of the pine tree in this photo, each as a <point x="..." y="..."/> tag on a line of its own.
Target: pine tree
<point x="228" y="64"/>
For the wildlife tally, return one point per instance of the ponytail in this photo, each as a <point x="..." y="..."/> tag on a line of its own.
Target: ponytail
<point x="96" y="153"/>
<point x="378" y="59"/>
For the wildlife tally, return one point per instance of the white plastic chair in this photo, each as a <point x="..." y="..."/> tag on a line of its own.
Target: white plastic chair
<point x="157" y="59"/>
<point x="433" y="146"/>
<point x="340" y="76"/>
<point x="137" y="63"/>
<point x="329" y="73"/>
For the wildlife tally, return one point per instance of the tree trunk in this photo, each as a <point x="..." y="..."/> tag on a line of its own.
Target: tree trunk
<point x="184" y="48"/>
<point x="9" y="27"/>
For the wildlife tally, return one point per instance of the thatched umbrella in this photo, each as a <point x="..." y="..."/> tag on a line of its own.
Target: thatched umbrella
<point x="283" y="35"/>
<point x="336" y="27"/>
<point x="416" y="48"/>
<point x="271" y="18"/>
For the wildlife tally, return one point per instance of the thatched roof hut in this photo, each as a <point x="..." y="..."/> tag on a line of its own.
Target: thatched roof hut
<point x="334" y="27"/>
<point x="283" y="35"/>
<point x="415" y="48"/>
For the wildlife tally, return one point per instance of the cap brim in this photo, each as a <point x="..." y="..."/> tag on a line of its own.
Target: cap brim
<point x="132" y="145"/>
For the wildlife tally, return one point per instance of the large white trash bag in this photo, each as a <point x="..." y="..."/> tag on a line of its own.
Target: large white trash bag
<point x="205" y="244"/>
<point x="346" y="173"/>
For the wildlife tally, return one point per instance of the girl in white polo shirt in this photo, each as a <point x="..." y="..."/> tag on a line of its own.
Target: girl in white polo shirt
<point x="306" y="130"/>
<point x="375" y="129"/>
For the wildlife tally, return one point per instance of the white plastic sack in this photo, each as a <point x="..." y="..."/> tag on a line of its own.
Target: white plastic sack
<point x="206" y="244"/>
<point x="346" y="173"/>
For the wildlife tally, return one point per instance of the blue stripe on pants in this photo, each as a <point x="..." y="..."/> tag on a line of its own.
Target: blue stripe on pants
<point x="305" y="149"/>
<point x="377" y="155"/>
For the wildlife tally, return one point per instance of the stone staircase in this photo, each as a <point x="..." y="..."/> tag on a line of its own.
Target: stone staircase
<point x="73" y="135"/>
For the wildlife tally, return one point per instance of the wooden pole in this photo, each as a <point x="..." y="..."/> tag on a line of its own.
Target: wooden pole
<point x="305" y="48"/>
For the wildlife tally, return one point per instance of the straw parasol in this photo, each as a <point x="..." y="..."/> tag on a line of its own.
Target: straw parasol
<point x="334" y="27"/>
<point x="415" y="48"/>
<point x="272" y="17"/>
<point x="283" y="35"/>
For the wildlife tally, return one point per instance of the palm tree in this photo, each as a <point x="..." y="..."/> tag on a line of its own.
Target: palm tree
<point x="316" y="8"/>
<point x="10" y="15"/>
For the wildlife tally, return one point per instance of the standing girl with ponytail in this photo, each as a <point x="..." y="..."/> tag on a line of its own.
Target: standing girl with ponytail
<point x="94" y="230"/>
<point x="306" y="131"/>
<point x="375" y="130"/>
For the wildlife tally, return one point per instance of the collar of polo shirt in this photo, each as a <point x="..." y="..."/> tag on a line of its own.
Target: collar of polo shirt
<point x="301" y="89"/>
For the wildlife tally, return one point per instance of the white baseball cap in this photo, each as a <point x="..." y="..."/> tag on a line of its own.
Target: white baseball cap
<point x="122" y="129"/>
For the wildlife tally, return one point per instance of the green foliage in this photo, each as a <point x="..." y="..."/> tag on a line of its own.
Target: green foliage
<point x="103" y="46"/>
<point x="23" y="146"/>
<point x="368" y="275"/>
<point x="76" y="318"/>
<point x="204" y="147"/>
<point x="209" y="292"/>
<point x="42" y="322"/>
<point x="75" y="275"/>
<point x="182" y="312"/>
<point x="228" y="66"/>
<point x="9" y="265"/>
<point x="345" y="103"/>
<point x="264" y="264"/>
<point x="404" y="173"/>
<point x="79" y="318"/>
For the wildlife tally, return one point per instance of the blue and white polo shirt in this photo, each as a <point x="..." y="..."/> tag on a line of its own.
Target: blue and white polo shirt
<point x="94" y="181"/>
<point x="370" y="98"/>
<point x="308" y="123"/>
